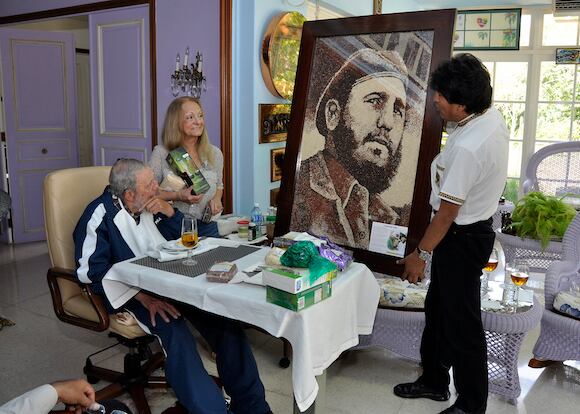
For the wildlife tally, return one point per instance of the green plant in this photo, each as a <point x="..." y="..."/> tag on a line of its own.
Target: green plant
<point x="541" y="217"/>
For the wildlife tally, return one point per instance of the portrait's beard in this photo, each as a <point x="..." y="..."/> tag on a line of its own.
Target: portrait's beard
<point x="376" y="178"/>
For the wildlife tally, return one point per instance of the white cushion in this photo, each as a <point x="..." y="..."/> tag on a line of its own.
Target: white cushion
<point x="401" y="294"/>
<point x="569" y="303"/>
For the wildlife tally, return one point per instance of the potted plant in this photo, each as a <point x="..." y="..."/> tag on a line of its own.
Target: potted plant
<point x="541" y="217"/>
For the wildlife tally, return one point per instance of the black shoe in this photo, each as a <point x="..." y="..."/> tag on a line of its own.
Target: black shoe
<point x="419" y="390"/>
<point x="456" y="410"/>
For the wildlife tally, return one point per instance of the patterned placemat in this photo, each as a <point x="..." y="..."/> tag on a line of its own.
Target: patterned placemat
<point x="204" y="260"/>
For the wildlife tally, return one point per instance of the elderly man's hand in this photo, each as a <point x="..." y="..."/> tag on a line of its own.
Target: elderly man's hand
<point x="157" y="205"/>
<point x="414" y="267"/>
<point x="157" y="306"/>
<point x="75" y="392"/>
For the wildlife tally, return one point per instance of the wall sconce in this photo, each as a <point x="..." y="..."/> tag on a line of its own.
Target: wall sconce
<point x="188" y="78"/>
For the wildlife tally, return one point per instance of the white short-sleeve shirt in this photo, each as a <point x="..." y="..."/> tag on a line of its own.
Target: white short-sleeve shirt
<point x="471" y="170"/>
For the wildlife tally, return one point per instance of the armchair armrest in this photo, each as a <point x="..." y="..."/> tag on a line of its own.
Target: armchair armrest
<point x="559" y="270"/>
<point x="69" y="275"/>
<point x="528" y="185"/>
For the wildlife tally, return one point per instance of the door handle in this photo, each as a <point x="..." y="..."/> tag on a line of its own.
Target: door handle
<point x="44" y="151"/>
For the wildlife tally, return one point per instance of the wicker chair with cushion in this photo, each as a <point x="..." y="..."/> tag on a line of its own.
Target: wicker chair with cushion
<point x="66" y="194"/>
<point x="553" y="170"/>
<point x="559" y="333"/>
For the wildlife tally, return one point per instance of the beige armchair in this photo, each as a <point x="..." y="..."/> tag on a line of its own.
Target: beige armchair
<point x="66" y="194"/>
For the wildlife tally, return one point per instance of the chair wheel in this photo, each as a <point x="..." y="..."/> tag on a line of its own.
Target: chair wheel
<point x="92" y="380"/>
<point x="284" y="362"/>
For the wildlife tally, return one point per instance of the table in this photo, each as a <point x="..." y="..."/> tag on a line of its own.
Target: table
<point x="318" y="335"/>
<point x="400" y="331"/>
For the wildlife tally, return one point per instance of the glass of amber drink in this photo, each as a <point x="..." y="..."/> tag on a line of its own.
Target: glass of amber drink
<point x="189" y="238"/>
<point x="519" y="274"/>
<point x="487" y="269"/>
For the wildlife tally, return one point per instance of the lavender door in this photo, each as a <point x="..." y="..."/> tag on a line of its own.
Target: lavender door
<point x="120" y="84"/>
<point x="39" y="100"/>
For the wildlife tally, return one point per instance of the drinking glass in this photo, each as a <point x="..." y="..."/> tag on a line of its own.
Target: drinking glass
<point x="189" y="238"/>
<point x="487" y="269"/>
<point x="520" y="272"/>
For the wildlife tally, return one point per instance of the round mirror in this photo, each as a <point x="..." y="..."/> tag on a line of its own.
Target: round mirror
<point x="280" y="53"/>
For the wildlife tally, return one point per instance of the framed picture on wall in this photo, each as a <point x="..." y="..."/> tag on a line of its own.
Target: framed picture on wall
<point x="274" y="119"/>
<point x="363" y="133"/>
<point x="276" y="163"/>
<point x="568" y="55"/>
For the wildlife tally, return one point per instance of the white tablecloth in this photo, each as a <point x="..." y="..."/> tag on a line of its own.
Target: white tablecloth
<point x="318" y="335"/>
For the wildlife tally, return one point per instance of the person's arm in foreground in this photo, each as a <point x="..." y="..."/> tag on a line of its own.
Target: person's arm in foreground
<point x="40" y="400"/>
<point x="442" y="220"/>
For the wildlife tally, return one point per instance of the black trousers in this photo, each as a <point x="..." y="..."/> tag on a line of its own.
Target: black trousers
<point x="453" y="335"/>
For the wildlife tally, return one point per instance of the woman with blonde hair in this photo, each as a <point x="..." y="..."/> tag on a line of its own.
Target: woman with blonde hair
<point x="184" y="126"/>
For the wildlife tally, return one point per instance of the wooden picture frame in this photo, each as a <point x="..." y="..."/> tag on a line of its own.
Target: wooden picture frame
<point x="340" y="54"/>
<point x="274" y="120"/>
<point x="276" y="162"/>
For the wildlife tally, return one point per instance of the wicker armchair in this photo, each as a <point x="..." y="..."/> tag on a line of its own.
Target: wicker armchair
<point x="554" y="170"/>
<point x="560" y="335"/>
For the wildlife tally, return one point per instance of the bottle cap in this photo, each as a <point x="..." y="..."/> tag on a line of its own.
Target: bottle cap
<point x="243" y="222"/>
<point x="256" y="204"/>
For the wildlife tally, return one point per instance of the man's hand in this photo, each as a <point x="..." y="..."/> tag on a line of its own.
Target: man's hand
<point x="186" y="196"/>
<point x="159" y="306"/>
<point x="75" y="392"/>
<point x="414" y="267"/>
<point x="157" y="205"/>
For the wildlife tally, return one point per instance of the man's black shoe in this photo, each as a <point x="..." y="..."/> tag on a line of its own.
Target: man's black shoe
<point x="419" y="390"/>
<point x="456" y="410"/>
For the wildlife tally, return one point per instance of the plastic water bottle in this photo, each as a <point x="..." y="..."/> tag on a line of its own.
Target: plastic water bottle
<point x="257" y="218"/>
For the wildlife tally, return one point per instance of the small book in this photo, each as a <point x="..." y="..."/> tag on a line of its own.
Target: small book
<point x="181" y="163"/>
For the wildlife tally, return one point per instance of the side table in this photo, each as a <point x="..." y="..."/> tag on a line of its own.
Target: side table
<point x="400" y="331"/>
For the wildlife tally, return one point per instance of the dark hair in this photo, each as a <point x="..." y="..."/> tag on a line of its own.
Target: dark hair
<point x="463" y="80"/>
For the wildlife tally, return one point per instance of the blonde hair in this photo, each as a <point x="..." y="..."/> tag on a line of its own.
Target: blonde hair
<point x="172" y="136"/>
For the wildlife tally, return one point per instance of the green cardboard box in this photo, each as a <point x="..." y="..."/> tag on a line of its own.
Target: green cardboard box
<point x="299" y="301"/>
<point x="292" y="279"/>
<point x="182" y="164"/>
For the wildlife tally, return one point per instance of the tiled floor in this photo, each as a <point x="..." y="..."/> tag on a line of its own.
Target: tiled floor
<point x="40" y="349"/>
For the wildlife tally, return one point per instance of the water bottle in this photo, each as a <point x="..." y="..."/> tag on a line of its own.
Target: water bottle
<point x="256" y="217"/>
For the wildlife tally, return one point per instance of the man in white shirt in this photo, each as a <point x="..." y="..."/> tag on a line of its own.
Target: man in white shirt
<point x="467" y="179"/>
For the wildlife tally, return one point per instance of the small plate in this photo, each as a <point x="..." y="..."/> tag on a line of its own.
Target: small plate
<point x="176" y="246"/>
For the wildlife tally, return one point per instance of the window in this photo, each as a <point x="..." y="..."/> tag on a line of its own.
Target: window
<point x="320" y="10"/>
<point x="539" y="100"/>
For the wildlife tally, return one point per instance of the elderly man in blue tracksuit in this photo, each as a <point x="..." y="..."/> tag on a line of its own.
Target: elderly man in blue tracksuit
<point x="128" y="220"/>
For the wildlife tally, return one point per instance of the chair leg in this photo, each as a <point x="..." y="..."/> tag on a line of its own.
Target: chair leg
<point x="109" y="392"/>
<point x="287" y="354"/>
<point x="137" y="392"/>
